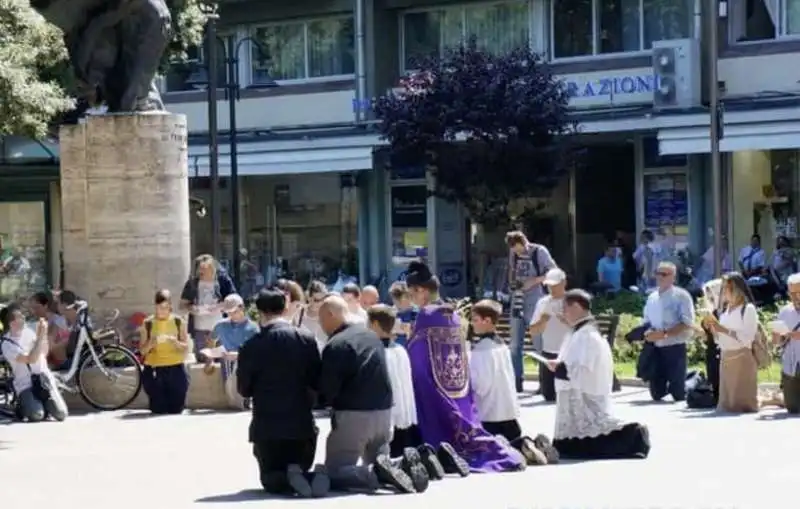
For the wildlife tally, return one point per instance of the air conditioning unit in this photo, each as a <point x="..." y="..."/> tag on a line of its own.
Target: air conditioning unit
<point x="676" y="67"/>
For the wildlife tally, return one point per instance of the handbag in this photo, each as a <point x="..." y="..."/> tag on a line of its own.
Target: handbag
<point x="760" y="348"/>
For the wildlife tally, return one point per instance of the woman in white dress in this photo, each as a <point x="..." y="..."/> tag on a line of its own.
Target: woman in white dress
<point x="734" y="331"/>
<point x="584" y="371"/>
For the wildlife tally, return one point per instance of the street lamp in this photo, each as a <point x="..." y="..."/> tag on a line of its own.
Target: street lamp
<point x="206" y="75"/>
<point x="716" y="130"/>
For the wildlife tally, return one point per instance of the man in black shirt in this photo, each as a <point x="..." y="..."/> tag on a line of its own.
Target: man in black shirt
<point x="279" y="368"/>
<point x="355" y="382"/>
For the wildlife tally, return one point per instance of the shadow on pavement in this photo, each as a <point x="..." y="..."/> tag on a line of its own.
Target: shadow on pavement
<point x="688" y="413"/>
<point x="650" y="402"/>
<point x="250" y="495"/>
<point x="541" y="402"/>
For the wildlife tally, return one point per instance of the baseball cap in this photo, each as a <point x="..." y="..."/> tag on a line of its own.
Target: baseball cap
<point x="554" y="277"/>
<point x="232" y="302"/>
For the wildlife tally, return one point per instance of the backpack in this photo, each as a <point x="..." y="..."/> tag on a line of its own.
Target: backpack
<point x="760" y="347"/>
<point x="700" y="392"/>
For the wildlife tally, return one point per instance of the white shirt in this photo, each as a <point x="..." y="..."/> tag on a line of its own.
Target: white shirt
<point x="492" y="377"/>
<point x="204" y="319"/>
<point x="13" y="347"/>
<point x="404" y="406"/>
<point x="745" y="325"/>
<point x="555" y="331"/>
<point x="358" y="316"/>
<point x="752" y="258"/>
<point x="589" y="361"/>
<point x="791" y="352"/>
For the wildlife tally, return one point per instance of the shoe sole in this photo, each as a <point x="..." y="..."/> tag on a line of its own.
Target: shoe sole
<point x="546" y="446"/>
<point x="298" y="482"/>
<point x="532" y="454"/>
<point x="395" y="477"/>
<point x="461" y="467"/>
<point x="432" y="464"/>
<point x="411" y="457"/>
<point x="419" y="478"/>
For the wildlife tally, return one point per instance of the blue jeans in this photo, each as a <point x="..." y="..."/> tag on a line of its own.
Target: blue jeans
<point x="669" y="375"/>
<point x="519" y="328"/>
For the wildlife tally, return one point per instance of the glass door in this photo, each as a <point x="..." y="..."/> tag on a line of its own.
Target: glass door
<point x="23" y="249"/>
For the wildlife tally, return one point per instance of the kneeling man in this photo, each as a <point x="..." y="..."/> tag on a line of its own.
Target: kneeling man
<point x="584" y="371"/>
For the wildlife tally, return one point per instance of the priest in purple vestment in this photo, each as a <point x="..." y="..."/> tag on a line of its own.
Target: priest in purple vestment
<point x="439" y="364"/>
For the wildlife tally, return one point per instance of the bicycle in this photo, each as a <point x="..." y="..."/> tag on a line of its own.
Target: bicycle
<point x="86" y="364"/>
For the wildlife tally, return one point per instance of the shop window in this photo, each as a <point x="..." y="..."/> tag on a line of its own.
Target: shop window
<point x="765" y="198"/>
<point x="303" y="226"/>
<point x="23" y="259"/>
<point x="409" y="216"/>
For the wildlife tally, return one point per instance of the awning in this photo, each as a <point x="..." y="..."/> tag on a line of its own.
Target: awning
<point x="770" y="129"/>
<point x="334" y="154"/>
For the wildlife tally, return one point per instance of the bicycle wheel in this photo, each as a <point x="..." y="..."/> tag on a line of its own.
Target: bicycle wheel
<point x="114" y="383"/>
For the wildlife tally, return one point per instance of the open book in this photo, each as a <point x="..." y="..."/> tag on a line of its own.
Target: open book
<point x="214" y="353"/>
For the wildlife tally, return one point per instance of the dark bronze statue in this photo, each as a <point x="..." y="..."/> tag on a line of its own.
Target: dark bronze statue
<point x="115" y="47"/>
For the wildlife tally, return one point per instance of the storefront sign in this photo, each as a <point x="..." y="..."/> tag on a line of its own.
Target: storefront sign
<point x="409" y="206"/>
<point x="612" y="85"/>
<point x="666" y="206"/>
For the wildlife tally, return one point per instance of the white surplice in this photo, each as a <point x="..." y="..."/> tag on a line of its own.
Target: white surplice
<point x="404" y="407"/>
<point x="583" y="403"/>
<point x="492" y="379"/>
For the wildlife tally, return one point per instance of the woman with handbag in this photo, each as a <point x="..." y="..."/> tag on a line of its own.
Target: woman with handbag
<point x="26" y="352"/>
<point x="735" y="331"/>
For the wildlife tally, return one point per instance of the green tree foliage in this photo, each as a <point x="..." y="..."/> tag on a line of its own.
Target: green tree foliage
<point x="35" y="80"/>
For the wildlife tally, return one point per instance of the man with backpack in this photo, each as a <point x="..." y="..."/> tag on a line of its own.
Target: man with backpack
<point x="527" y="267"/>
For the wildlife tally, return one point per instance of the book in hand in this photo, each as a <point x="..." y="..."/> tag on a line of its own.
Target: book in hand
<point x="538" y="358"/>
<point x="213" y="353"/>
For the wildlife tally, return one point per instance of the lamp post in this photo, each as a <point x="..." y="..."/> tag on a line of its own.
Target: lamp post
<point x="232" y="95"/>
<point x="715" y="132"/>
<point x="213" y="145"/>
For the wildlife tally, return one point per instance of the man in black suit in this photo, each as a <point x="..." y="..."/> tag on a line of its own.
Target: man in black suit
<point x="279" y="369"/>
<point x="355" y="382"/>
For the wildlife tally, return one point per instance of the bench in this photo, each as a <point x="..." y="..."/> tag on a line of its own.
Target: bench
<point x="607" y="326"/>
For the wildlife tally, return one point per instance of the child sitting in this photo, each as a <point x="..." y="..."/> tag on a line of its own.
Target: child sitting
<point x="406" y="313"/>
<point x="492" y="380"/>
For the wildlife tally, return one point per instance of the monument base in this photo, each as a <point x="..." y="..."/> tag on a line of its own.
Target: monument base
<point x="125" y="209"/>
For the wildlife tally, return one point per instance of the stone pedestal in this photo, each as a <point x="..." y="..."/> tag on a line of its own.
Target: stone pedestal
<point x="125" y="209"/>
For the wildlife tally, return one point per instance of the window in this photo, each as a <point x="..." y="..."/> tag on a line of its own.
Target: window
<point x="304" y="50"/>
<point x="759" y="20"/>
<point x="498" y="27"/>
<point x="179" y="77"/>
<point x="595" y="27"/>
<point x="23" y="254"/>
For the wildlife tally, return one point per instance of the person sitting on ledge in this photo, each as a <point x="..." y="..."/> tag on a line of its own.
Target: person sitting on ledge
<point x="492" y="379"/>
<point x="584" y="370"/>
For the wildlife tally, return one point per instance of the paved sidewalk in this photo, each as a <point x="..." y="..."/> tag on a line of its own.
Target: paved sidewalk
<point x="122" y="460"/>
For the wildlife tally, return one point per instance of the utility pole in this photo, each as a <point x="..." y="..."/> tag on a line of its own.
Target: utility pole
<point x="213" y="145"/>
<point x="716" y="131"/>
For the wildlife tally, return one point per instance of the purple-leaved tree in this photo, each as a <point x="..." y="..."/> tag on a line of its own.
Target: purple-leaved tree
<point x="492" y="128"/>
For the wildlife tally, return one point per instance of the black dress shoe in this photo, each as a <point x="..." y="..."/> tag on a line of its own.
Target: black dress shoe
<point x="411" y="464"/>
<point x="451" y="462"/>
<point x="298" y="481"/>
<point x="432" y="464"/>
<point x="392" y="476"/>
<point x="546" y="446"/>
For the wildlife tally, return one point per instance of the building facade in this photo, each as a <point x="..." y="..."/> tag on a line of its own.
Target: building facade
<point x="315" y="199"/>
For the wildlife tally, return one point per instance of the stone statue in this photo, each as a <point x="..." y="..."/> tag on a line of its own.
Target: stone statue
<point x="115" y="47"/>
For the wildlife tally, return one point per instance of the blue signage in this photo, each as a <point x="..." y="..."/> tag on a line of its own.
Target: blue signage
<point x="611" y="86"/>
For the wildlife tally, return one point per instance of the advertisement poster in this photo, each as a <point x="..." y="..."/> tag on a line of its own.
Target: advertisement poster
<point x="666" y="207"/>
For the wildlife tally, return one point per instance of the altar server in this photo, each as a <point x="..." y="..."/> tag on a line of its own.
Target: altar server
<point x="585" y="427"/>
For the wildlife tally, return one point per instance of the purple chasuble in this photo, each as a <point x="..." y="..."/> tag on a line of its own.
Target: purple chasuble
<point x="445" y="408"/>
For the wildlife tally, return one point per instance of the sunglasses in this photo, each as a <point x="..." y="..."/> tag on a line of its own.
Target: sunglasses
<point x="663" y="274"/>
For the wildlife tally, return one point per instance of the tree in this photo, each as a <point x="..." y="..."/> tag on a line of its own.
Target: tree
<point x="35" y="78"/>
<point x="492" y="128"/>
